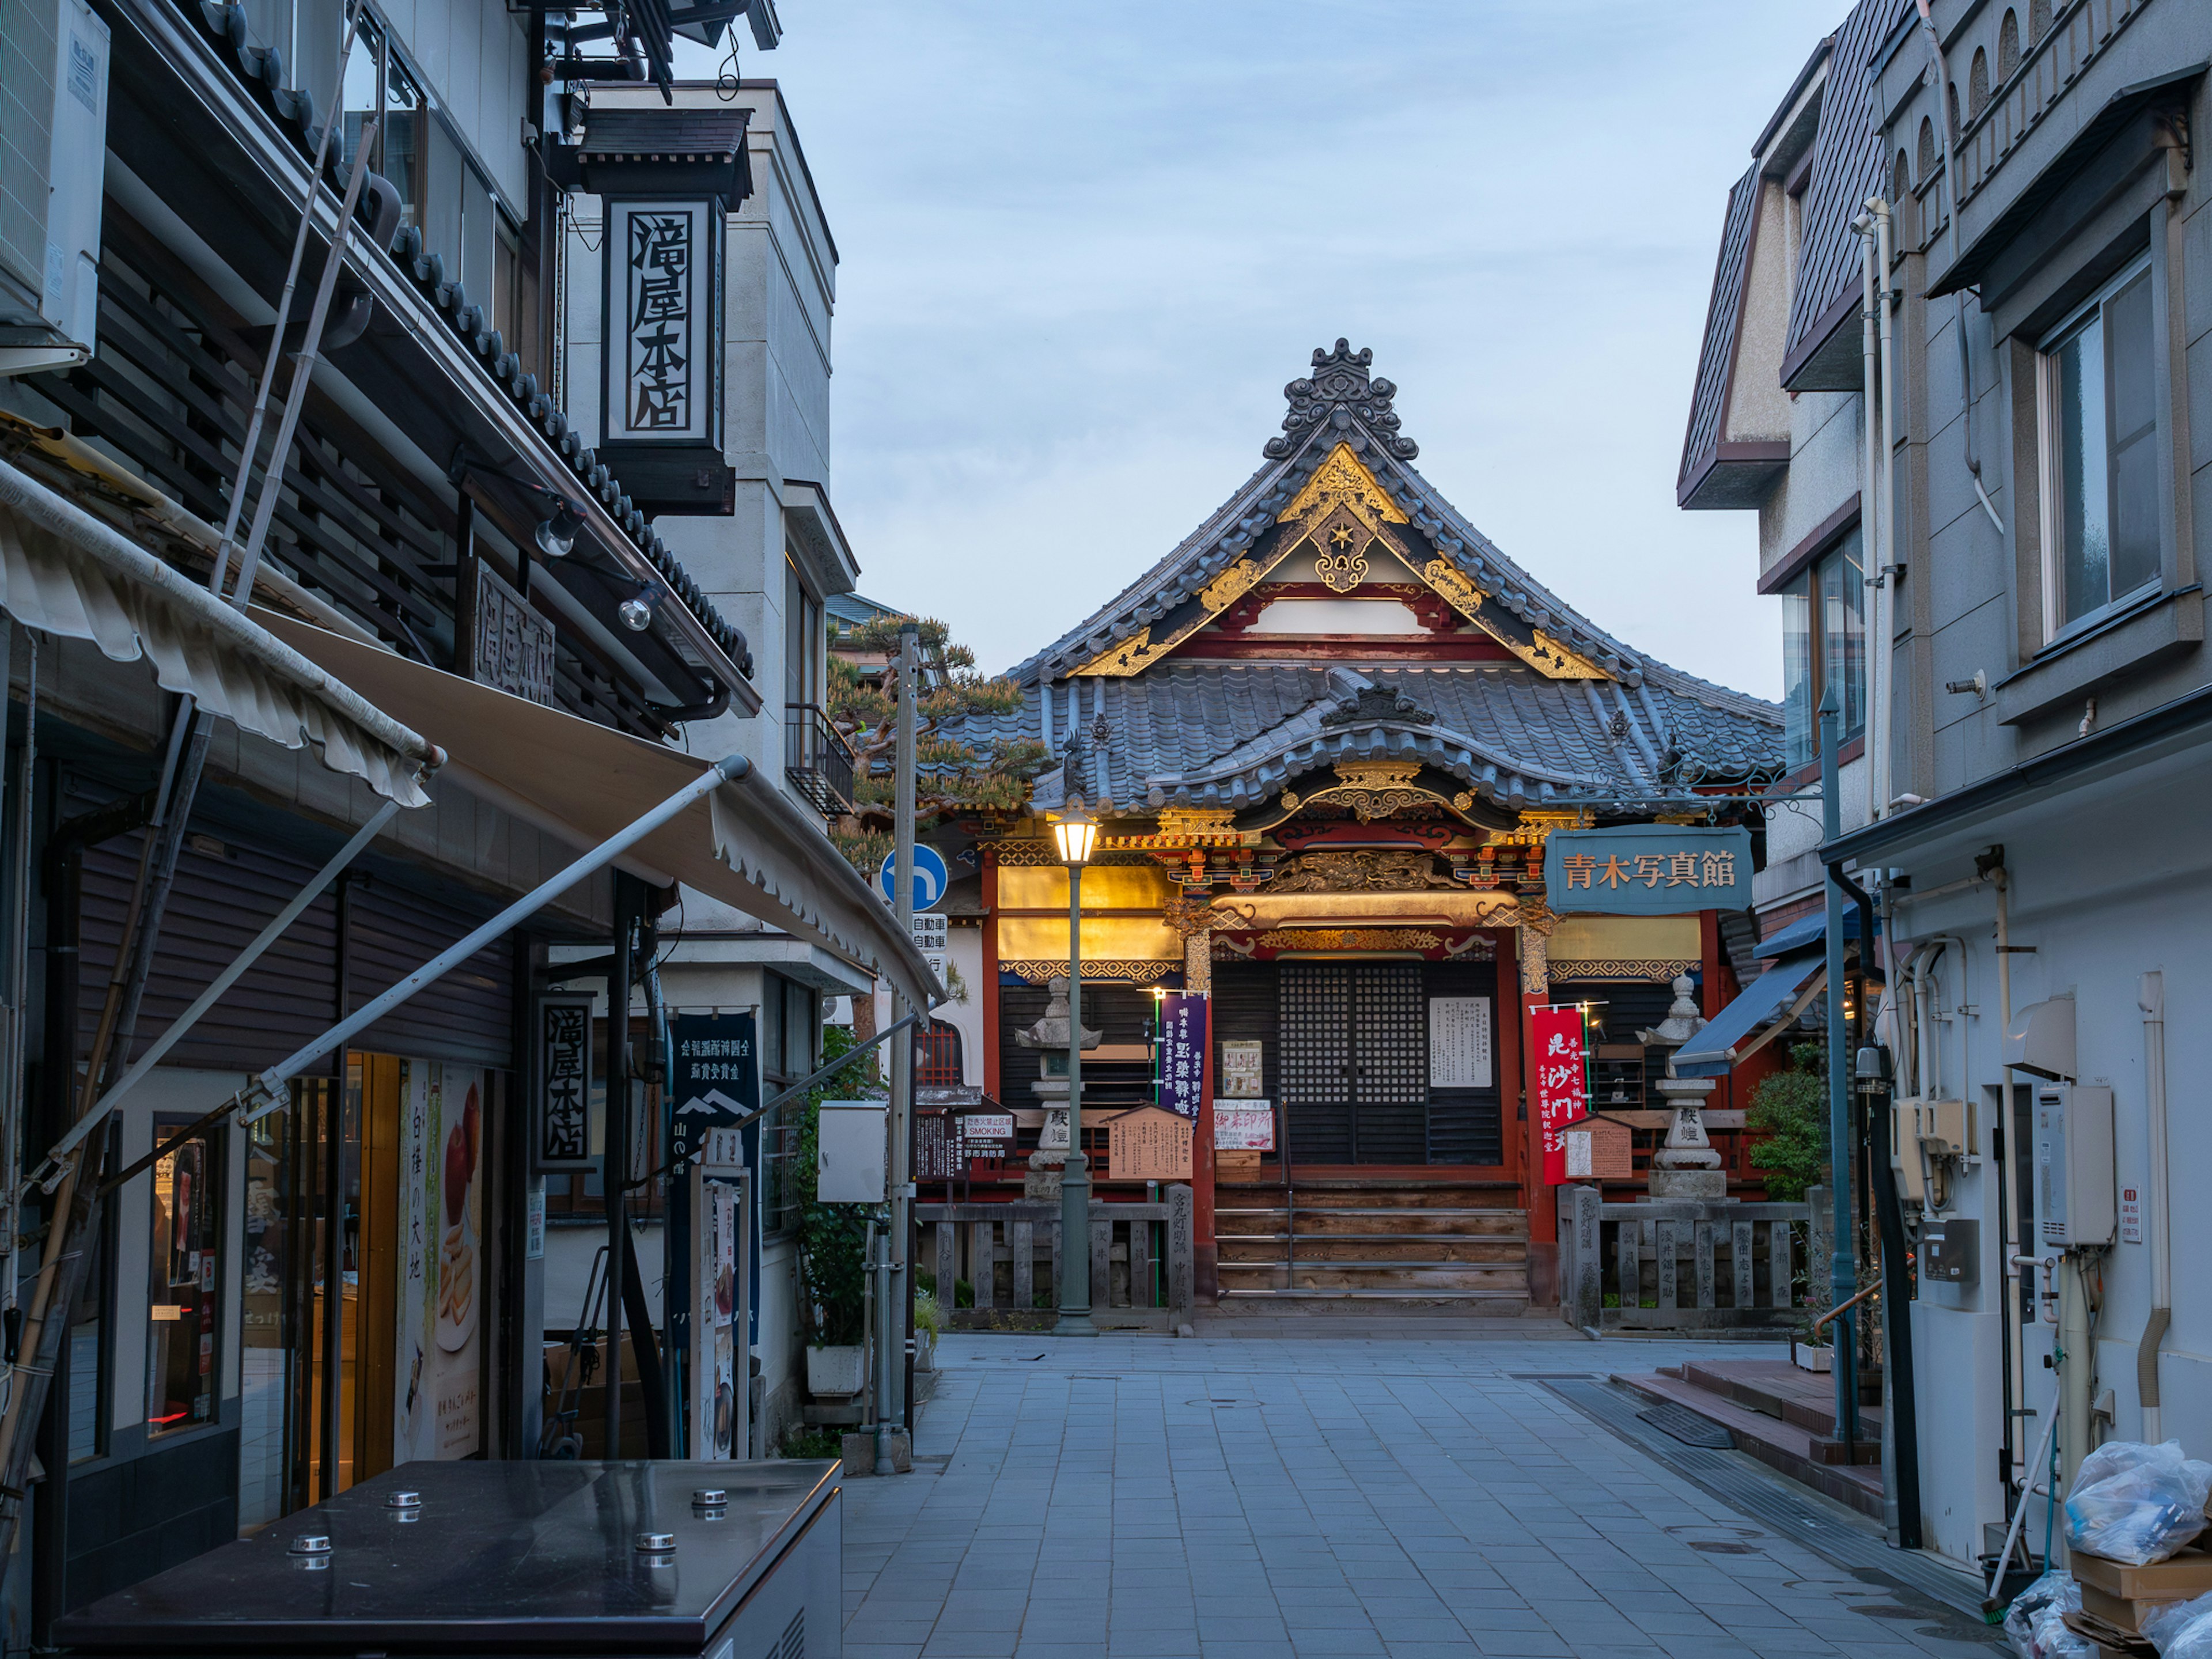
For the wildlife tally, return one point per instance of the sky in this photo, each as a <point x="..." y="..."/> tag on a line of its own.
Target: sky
<point x="1083" y="246"/>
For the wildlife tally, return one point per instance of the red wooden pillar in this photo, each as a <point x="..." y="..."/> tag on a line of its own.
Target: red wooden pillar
<point x="1517" y="1075"/>
<point x="991" y="974"/>
<point x="1206" y="1254"/>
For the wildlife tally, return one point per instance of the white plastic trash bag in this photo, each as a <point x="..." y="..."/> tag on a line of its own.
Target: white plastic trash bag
<point x="2181" y="1630"/>
<point x="2036" y="1620"/>
<point x="2137" y="1504"/>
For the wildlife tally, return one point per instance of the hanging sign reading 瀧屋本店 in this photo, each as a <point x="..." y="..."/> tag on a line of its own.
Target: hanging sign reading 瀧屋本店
<point x="564" y="1083"/>
<point x="663" y="341"/>
<point x="441" y="1278"/>
<point x="1646" y="870"/>
<point x="1459" y="1043"/>
<point x="1239" y="1073"/>
<point x="1562" y="1093"/>
<point x="1183" y="1054"/>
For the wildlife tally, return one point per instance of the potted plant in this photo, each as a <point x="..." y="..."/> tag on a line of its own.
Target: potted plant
<point x="928" y="1326"/>
<point x="833" y="1272"/>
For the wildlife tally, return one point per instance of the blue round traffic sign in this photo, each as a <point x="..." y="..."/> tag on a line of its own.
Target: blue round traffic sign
<point x="931" y="878"/>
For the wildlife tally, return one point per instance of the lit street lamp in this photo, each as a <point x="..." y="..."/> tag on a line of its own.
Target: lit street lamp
<point x="1077" y="832"/>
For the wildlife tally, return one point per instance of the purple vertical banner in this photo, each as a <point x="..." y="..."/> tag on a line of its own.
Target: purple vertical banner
<point x="1182" y="1052"/>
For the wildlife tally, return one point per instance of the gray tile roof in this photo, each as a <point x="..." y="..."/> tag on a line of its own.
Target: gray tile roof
<point x="1847" y="168"/>
<point x="1230" y="734"/>
<point x="1723" y="319"/>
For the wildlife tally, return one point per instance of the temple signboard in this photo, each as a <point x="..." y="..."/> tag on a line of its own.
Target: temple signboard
<point x="1646" y="870"/>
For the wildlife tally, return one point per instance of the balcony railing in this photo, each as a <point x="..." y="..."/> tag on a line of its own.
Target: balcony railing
<point x="816" y="760"/>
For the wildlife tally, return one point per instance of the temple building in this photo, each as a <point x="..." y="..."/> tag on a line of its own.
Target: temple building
<point x="1327" y="738"/>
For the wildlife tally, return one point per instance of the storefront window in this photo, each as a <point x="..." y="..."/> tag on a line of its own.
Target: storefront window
<point x="87" y="1358"/>
<point x="183" y="1295"/>
<point x="1824" y="641"/>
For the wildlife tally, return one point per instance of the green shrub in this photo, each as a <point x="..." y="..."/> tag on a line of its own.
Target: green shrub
<point x="810" y="1444"/>
<point x="927" y="1315"/>
<point x="1789" y="1107"/>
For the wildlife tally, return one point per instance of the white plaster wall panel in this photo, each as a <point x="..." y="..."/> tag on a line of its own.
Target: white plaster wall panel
<point x="963" y="946"/>
<point x="1757" y="408"/>
<point x="1823" y="474"/>
<point x="1955" y="1402"/>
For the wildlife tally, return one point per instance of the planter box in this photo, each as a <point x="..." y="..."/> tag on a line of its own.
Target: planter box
<point x="836" y="1371"/>
<point x="1806" y="1359"/>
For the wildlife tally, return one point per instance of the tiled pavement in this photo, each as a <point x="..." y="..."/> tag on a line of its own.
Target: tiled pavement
<point x="1249" y="1496"/>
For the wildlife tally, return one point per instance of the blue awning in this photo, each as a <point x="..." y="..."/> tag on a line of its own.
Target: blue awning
<point x="1810" y="933"/>
<point x="1745" y="1025"/>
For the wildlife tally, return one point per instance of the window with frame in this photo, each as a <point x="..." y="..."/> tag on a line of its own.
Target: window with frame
<point x="2099" y="417"/>
<point x="1823" y="644"/>
<point x="183" y="1281"/>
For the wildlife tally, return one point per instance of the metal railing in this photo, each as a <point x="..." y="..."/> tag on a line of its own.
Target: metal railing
<point x="816" y="760"/>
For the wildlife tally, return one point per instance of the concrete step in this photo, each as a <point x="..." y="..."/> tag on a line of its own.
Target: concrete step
<point x="1368" y="1247"/>
<point x="1504" y="1279"/>
<point x="1775" y="1387"/>
<point x="1481" y="1302"/>
<point x="1783" y="1446"/>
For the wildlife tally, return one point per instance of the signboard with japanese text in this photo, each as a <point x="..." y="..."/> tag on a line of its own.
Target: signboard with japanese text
<point x="1562" y="1092"/>
<point x="663" y="357"/>
<point x="1182" y="1052"/>
<point x="1240" y="1072"/>
<point x="1646" y="870"/>
<point x="435" y="1409"/>
<point x="1459" y="1043"/>
<point x="717" y="1195"/>
<point x="1149" y="1144"/>
<point x="510" y="644"/>
<point x="716" y="1064"/>
<point x="1244" y="1126"/>
<point x="564" y="1083"/>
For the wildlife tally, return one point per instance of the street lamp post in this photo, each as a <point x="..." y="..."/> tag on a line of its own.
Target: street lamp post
<point x="1077" y="832"/>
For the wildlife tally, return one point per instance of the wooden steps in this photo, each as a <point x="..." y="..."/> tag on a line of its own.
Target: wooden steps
<point x="1386" y="1238"/>
<point x="1776" y="1414"/>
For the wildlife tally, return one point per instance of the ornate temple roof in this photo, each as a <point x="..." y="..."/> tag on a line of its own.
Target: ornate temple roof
<point x="1557" y="712"/>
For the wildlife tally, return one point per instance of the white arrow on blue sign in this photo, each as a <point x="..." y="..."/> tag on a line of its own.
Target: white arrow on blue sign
<point x="930" y="878"/>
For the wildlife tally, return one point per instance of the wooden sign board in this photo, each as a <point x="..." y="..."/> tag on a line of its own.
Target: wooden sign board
<point x="1150" y="1144"/>
<point x="1598" y="1149"/>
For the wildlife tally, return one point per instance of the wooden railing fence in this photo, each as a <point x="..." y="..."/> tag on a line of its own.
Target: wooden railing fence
<point x="1141" y="1262"/>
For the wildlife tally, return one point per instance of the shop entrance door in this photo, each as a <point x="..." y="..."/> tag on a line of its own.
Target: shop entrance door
<point x="1354" y="1075"/>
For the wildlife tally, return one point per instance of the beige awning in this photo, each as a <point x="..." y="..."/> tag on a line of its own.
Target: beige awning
<point x="62" y="571"/>
<point x="747" y="844"/>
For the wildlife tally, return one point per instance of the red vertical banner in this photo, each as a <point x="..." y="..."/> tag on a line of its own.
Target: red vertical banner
<point x="1562" y="1090"/>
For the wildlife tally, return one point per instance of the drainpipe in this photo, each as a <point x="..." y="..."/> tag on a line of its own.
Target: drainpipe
<point x="1902" y="1421"/>
<point x="1885" y="581"/>
<point x="2008" y="1190"/>
<point x="1843" y="1274"/>
<point x="1870" y="508"/>
<point x="2151" y="999"/>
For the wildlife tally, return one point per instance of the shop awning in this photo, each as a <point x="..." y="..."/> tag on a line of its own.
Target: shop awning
<point x="1809" y="932"/>
<point x="1767" y="1007"/>
<point x="62" y="571"/>
<point x="746" y="844"/>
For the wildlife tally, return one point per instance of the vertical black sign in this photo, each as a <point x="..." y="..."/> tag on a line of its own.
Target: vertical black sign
<point x="564" y="1082"/>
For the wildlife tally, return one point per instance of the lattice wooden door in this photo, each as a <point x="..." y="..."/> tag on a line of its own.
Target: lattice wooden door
<point x="1389" y="1064"/>
<point x="1354" y="1070"/>
<point x="1315" y="1007"/>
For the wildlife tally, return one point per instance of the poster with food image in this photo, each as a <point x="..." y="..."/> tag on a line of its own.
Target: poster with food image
<point x="714" y="1403"/>
<point x="436" y="1411"/>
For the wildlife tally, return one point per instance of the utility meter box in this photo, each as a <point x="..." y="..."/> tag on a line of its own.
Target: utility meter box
<point x="851" y="1149"/>
<point x="1950" y="1252"/>
<point x="2074" y="1178"/>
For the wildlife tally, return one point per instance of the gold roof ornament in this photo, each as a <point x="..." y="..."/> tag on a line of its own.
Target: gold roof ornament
<point x="1342" y="481"/>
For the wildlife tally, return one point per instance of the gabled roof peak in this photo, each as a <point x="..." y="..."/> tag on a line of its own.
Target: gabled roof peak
<point x="1339" y="392"/>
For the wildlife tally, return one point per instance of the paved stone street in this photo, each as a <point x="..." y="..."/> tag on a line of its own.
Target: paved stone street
<point x="1241" y="1497"/>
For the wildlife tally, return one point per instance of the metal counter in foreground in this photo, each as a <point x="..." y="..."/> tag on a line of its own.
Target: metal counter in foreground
<point x="596" y="1559"/>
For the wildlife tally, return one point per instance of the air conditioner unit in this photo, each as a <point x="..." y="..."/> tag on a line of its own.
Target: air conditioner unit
<point x="53" y="151"/>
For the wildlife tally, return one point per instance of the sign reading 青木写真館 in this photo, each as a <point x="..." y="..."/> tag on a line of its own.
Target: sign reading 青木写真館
<point x="663" y="305"/>
<point x="1562" y="1092"/>
<point x="1646" y="870"/>
<point x="1183" y="1054"/>
<point x="564" y="1083"/>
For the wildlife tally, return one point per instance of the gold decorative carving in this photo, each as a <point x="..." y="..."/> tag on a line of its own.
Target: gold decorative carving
<point x="1132" y="656"/>
<point x="1463" y="801"/>
<point x="1376" y="774"/>
<point x="1132" y="973"/>
<point x="1536" y="917"/>
<point x="1549" y="657"/>
<point x="1535" y="977"/>
<point x="1365" y="870"/>
<point x="1197" y="964"/>
<point x="1230" y="585"/>
<point x="1015" y="853"/>
<point x="1196" y="820"/>
<point x="1657" y="970"/>
<point x="1535" y="827"/>
<point x="1289" y="801"/>
<point x="1349" y="938"/>
<point x="1189" y="915"/>
<point x="1448" y="579"/>
<point x="1342" y="480"/>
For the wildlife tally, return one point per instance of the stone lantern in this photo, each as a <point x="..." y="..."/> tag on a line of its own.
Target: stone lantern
<point x="1049" y="1035"/>
<point x="1686" y="1166"/>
